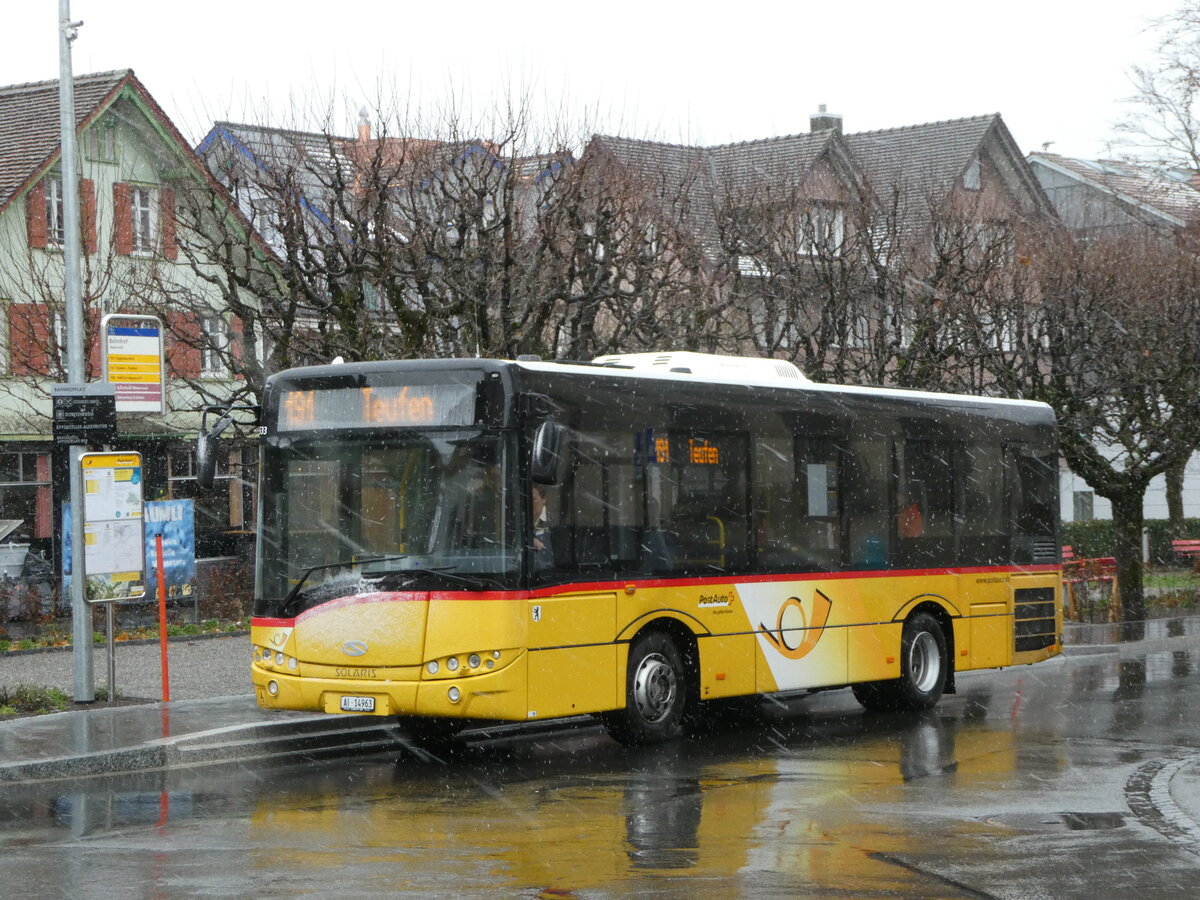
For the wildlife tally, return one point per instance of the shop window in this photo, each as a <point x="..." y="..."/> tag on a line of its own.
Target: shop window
<point x="25" y="495"/>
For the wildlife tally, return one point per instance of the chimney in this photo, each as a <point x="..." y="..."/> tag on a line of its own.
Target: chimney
<point x="364" y="126"/>
<point x="824" y="121"/>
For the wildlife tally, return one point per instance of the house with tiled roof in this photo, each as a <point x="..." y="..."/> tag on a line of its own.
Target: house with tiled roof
<point x="134" y="169"/>
<point x="927" y="168"/>
<point x="1107" y="199"/>
<point x="1112" y="195"/>
<point x="935" y="166"/>
<point x="261" y="163"/>
<point x="768" y="214"/>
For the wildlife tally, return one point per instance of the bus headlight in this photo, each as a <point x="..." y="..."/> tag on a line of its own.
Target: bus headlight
<point x="473" y="660"/>
<point x="279" y="658"/>
<point x="454" y="694"/>
<point x="452" y="664"/>
<point x="273" y="688"/>
<point x="432" y="667"/>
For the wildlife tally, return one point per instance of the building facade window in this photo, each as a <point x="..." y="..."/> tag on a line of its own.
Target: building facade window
<point x="5" y="359"/>
<point x="752" y="267"/>
<point x="144" y="211"/>
<point x="214" y="349"/>
<point x="822" y="231"/>
<point x="55" y="228"/>
<point x="25" y="495"/>
<point x="223" y="516"/>
<point x="57" y="351"/>
<point x="1084" y="503"/>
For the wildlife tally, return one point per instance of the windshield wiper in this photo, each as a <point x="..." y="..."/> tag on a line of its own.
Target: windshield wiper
<point x="294" y="593"/>
<point x="448" y="571"/>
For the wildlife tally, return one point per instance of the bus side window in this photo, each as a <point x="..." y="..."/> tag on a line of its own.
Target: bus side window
<point x="866" y="467"/>
<point x="601" y="506"/>
<point x="926" y="508"/>
<point x="1033" y="513"/>
<point x="796" y="503"/>
<point x="983" y="524"/>
<point x="710" y="517"/>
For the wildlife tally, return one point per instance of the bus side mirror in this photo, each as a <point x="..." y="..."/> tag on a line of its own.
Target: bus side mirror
<point x="206" y="441"/>
<point x="544" y="458"/>
<point x="206" y="461"/>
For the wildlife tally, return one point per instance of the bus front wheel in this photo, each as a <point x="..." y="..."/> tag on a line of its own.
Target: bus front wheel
<point x="922" y="669"/>
<point x="655" y="693"/>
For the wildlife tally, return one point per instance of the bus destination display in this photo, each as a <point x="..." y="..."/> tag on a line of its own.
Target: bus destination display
<point x="387" y="406"/>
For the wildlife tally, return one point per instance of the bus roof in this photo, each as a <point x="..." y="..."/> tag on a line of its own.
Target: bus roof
<point x="734" y="370"/>
<point x="684" y="367"/>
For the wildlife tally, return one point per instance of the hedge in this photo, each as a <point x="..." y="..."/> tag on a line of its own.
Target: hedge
<point x="1095" y="538"/>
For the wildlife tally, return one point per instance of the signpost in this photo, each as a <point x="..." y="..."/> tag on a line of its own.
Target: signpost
<point x="84" y="414"/>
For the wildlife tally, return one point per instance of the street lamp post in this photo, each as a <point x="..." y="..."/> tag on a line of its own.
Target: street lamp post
<point x="81" y="618"/>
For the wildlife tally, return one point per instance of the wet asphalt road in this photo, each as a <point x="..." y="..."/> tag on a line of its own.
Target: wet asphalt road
<point x="199" y="668"/>
<point x="1079" y="777"/>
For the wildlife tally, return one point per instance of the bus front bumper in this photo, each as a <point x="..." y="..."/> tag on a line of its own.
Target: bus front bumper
<point x="500" y="694"/>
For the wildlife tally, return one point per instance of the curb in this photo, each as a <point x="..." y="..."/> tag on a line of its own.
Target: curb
<point x="286" y="741"/>
<point x="304" y="738"/>
<point x="1136" y="648"/>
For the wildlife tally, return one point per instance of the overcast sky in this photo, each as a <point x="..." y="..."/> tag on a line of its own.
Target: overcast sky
<point x="694" y="73"/>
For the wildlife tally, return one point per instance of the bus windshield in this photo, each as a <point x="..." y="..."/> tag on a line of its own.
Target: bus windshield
<point x="362" y="513"/>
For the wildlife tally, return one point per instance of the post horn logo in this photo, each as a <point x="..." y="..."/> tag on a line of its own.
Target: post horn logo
<point x="798" y="630"/>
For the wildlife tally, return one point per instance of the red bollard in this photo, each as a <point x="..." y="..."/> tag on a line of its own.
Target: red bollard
<point x="162" y="619"/>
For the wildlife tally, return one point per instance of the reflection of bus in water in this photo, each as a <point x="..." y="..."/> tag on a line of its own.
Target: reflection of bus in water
<point x="725" y="818"/>
<point x="712" y="527"/>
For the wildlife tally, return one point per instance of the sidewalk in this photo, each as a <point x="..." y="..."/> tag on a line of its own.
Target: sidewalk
<point x="1158" y="635"/>
<point x="204" y="726"/>
<point x="212" y="716"/>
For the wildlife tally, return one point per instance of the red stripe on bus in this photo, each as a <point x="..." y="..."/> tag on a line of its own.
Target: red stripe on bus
<point x="575" y="587"/>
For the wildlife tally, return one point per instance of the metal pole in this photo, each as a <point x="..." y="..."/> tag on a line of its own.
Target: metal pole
<point x="81" y="614"/>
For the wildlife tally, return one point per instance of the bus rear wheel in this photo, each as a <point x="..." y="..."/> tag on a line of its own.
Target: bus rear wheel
<point x="656" y="687"/>
<point x="922" y="670"/>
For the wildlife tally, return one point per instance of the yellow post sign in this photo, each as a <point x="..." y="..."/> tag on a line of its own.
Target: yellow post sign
<point x="114" y="556"/>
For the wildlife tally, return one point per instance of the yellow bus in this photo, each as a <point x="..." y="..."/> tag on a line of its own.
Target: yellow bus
<point x="638" y="536"/>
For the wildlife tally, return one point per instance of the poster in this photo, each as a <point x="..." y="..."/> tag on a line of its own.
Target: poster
<point x="175" y="521"/>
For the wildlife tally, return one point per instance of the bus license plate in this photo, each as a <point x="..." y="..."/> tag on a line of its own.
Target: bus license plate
<point x="358" y="704"/>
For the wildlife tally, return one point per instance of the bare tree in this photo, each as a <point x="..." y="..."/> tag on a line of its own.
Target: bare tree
<point x="1165" y="120"/>
<point x="1109" y="336"/>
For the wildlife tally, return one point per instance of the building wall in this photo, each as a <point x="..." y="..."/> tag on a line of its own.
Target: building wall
<point x="31" y="289"/>
<point x="1154" y="507"/>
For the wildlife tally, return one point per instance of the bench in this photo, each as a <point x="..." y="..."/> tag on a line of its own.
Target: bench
<point x="1078" y="572"/>
<point x="1068" y="553"/>
<point x="1190" y="548"/>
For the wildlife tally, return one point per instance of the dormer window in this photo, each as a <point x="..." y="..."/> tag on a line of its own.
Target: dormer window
<point x="102" y="141"/>
<point x="822" y="231"/>
<point x="972" y="178"/>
